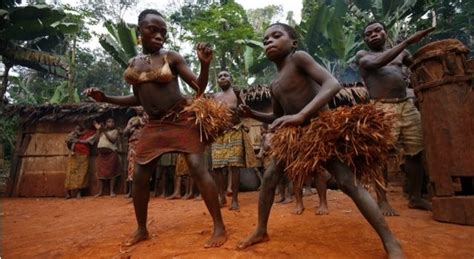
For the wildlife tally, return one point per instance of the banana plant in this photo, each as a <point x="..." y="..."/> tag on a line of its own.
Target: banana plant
<point x="27" y="36"/>
<point x="120" y="42"/>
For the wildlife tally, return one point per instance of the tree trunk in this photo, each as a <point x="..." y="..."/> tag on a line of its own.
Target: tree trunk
<point x="3" y="90"/>
<point x="222" y="61"/>
<point x="72" y="72"/>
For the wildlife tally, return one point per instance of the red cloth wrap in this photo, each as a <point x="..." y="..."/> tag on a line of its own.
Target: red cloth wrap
<point x="174" y="132"/>
<point x="107" y="163"/>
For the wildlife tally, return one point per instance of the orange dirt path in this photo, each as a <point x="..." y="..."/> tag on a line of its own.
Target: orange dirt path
<point x="95" y="227"/>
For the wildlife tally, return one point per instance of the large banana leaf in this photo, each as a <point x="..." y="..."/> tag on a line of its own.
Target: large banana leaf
<point x="38" y="60"/>
<point x="128" y="39"/>
<point x="109" y="45"/>
<point x="120" y="43"/>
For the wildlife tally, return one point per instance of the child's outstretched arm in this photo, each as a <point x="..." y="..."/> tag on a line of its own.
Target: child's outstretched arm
<point x="199" y="83"/>
<point x="245" y="111"/>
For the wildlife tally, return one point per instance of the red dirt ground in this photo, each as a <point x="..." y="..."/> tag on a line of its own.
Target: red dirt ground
<point x="85" y="228"/>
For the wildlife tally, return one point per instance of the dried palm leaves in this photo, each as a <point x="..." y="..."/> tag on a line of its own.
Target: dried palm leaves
<point x="359" y="136"/>
<point x="213" y="118"/>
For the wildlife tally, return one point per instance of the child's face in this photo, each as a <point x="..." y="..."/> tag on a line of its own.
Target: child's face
<point x="153" y="32"/>
<point x="110" y="123"/>
<point x="277" y="42"/>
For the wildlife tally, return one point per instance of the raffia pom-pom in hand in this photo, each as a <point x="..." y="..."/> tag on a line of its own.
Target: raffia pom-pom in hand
<point x="360" y="136"/>
<point x="213" y="118"/>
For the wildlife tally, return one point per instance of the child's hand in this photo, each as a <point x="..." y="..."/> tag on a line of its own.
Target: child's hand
<point x="244" y="111"/>
<point x="97" y="125"/>
<point x="287" y="120"/>
<point x="95" y="93"/>
<point x="204" y="52"/>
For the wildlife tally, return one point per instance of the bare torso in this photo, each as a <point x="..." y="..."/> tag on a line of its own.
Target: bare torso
<point x="388" y="81"/>
<point x="229" y="98"/>
<point x="293" y="89"/>
<point x="157" y="97"/>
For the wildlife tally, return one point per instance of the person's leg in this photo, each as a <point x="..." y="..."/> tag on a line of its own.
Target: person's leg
<point x="322" y="179"/>
<point x="68" y="194"/>
<point x="101" y="187"/>
<point x="287" y="189"/>
<point x="382" y="201"/>
<point x="78" y="193"/>
<point x="267" y="194"/>
<point x="208" y="190"/>
<point x="259" y="173"/>
<point x="414" y="168"/>
<point x="189" y="188"/>
<point x="129" y="190"/>
<point x="299" y="199"/>
<point x="235" y="175"/>
<point x="177" y="188"/>
<point x="112" y="185"/>
<point x="307" y="187"/>
<point x="229" y="181"/>
<point x="159" y="176"/>
<point x="141" y="196"/>
<point x="218" y="174"/>
<point x="280" y="190"/>
<point x="367" y="206"/>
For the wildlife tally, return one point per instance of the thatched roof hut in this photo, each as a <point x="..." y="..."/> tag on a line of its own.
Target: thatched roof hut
<point x="39" y="162"/>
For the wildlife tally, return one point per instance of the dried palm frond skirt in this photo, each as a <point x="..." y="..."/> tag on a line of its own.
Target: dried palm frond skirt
<point x="213" y="118"/>
<point x="359" y="136"/>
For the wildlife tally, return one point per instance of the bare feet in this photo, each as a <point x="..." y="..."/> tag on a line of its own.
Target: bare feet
<point x="322" y="210"/>
<point x="174" y="196"/>
<point x="287" y="200"/>
<point x="98" y="195"/>
<point x="387" y="210"/>
<point x="299" y="209"/>
<point x="394" y="250"/>
<point x="113" y="194"/>
<point x="139" y="235"/>
<point x="217" y="239"/>
<point x="78" y="195"/>
<point x="188" y="196"/>
<point x="307" y="192"/>
<point x="280" y="200"/>
<point x="198" y="198"/>
<point x="222" y="201"/>
<point x="420" y="204"/>
<point x="253" y="239"/>
<point x="68" y="197"/>
<point x="234" y="206"/>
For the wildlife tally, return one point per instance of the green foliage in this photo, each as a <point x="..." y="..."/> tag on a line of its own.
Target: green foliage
<point x="221" y="25"/>
<point x="28" y="36"/>
<point x="8" y="130"/>
<point x="121" y="42"/>
<point x="61" y="94"/>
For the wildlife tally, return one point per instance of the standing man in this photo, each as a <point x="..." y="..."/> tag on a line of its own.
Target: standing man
<point x="232" y="150"/>
<point x="382" y="69"/>
<point x="78" y="143"/>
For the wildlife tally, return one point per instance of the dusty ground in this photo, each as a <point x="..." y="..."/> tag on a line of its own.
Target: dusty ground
<point x="53" y="227"/>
